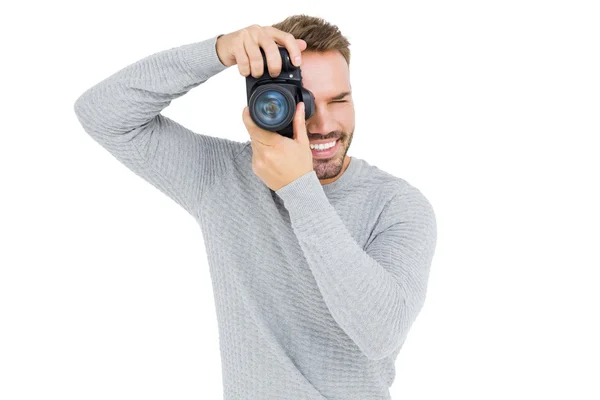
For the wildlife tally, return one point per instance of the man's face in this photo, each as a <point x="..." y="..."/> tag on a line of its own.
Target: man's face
<point x="326" y="75"/>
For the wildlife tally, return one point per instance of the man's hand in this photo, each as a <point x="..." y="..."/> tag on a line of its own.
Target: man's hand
<point x="278" y="160"/>
<point x="243" y="48"/>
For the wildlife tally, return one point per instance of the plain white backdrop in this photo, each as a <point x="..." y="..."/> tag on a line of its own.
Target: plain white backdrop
<point x="491" y="109"/>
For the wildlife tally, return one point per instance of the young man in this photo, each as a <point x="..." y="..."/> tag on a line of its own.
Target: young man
<point x="319" y="261"/>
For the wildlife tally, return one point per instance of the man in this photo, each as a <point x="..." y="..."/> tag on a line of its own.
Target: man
<point x="319" y="264"/>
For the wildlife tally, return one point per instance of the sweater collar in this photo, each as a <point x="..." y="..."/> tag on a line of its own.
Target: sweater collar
<point x="346" y="178"/>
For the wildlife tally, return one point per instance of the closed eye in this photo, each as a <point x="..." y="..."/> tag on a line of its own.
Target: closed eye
<point x="340" y="101"/>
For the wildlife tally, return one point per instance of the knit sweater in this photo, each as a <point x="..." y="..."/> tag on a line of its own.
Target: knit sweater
<point x="315" y="286"/>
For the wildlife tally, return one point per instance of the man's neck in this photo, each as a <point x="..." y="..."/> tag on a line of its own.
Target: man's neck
<point x="335" y="178"/>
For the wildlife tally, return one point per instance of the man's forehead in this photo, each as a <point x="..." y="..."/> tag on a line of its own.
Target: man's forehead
<point x="326" y="75"/>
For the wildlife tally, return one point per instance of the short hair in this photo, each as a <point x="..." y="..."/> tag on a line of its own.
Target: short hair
<point x="319" y="35"/>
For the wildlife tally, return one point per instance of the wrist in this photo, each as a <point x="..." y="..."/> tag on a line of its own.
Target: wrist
<point x="219" y="50"/>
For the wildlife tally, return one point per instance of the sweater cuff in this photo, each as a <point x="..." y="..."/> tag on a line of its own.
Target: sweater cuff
<point x="304" y="196"/>
<point x="202" y="57"/>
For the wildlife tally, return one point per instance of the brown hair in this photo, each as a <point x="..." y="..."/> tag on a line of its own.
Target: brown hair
<point x="319" y="35"/>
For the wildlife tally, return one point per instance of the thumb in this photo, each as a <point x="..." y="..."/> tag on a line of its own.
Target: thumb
<point x="300" y="125"/>
<point x="301" y="44"/>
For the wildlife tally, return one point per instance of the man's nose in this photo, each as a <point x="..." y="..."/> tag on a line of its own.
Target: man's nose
<point x="320" y="122"/>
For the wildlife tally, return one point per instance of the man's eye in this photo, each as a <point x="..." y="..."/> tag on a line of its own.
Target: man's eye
<point x="340" y="101"/>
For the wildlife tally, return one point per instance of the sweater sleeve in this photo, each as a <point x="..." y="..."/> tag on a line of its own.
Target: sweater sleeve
<point x="122" y="114"/>
<point x="374" y="294"/>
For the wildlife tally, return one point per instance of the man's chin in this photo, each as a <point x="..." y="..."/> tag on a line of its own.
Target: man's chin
<point x="327" y="169"/>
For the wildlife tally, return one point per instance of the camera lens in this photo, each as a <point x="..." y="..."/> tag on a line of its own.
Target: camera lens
<point x="271" y="107"/>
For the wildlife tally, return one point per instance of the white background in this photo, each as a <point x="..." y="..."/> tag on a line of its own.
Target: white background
<point x="490" y="108"/>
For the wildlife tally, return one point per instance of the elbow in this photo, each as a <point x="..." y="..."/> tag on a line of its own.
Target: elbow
<point x="79" y="103"/>
<point x="84" y="110"/>
<point x="84" y="101"/>
<point x="77" y="107"/>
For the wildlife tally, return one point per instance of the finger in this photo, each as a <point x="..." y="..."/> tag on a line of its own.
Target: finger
<point x="255" y="56"/>
<point x="272" y="53"/>
<point x="301" y="44"/>
<point x="253" y="129"/>
<point x="241" y="59"/>
<point x="290" y="43"/>
<point x="248" y="122"/>
<point x="264" y="137"/>
<point x="299" y="124"/>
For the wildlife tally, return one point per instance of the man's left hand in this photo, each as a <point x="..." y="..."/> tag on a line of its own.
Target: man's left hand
<point x="276" y="159"/>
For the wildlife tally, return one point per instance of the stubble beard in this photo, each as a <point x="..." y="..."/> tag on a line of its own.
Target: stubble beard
<point x="330" y="168"/>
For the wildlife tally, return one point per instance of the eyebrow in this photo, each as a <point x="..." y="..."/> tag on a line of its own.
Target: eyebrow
<point x="341" y="95"/>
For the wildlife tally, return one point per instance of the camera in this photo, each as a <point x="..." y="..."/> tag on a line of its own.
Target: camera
<point x="272" y="100"/>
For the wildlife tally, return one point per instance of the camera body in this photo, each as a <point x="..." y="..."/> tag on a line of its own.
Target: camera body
<point x="272" y="101"/>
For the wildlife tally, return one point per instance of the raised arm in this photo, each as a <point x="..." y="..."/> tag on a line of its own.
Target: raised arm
<point x="123" y="114"/>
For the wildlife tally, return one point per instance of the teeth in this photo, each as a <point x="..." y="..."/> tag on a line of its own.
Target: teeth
<point x="322" y="146"/>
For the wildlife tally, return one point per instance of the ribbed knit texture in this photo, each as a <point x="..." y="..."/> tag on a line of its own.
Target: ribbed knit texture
<point x="315" y="286"/>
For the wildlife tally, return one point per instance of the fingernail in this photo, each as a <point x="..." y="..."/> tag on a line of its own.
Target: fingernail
<point x="298" y="60"/>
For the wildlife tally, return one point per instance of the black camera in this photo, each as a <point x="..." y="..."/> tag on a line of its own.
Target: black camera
<point x="272" y="101"/>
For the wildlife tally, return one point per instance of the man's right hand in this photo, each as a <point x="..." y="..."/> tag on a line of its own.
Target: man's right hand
<point x="242" y="47"/>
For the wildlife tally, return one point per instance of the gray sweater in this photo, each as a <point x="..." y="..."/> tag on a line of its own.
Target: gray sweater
<point x="315" y="286"/>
